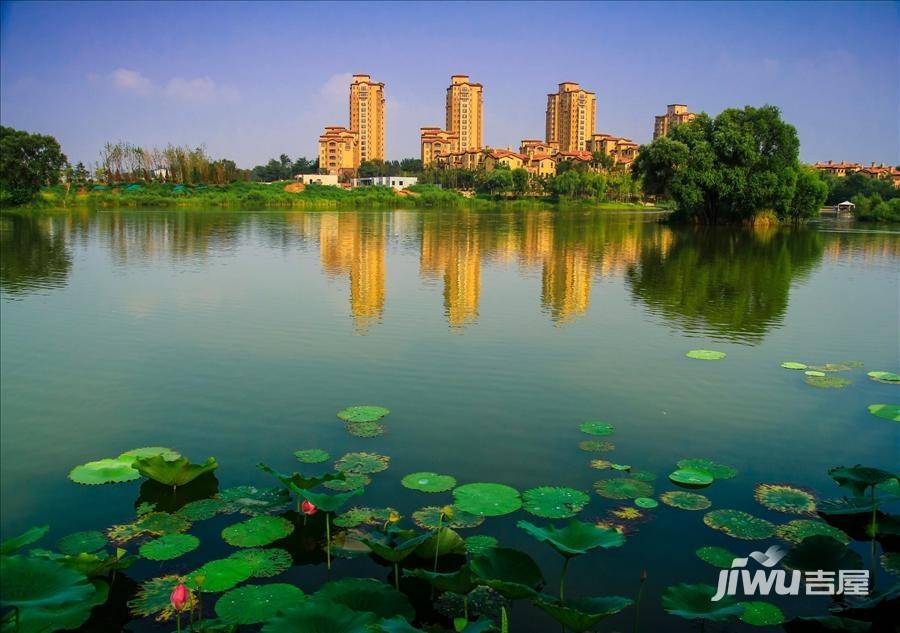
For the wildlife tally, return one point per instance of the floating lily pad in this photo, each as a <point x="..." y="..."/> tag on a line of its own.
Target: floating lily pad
<point x="886" y="411"/>
<point x="104" y="471"/>
<point x="362" y="463"/>
<point x="79" y="542"/>
<point x="758" y="613"/>
<point x="160" y="523"/>
<point x="627" y="513"/>
<point x="794" y="365"/>
<point x="252" y="604"/>
<point x="265" y="562"/>
<point x="428" y="482"/>
<point x="620" y="467"/>
<point x="352" y="481"/>
<point x="582" y="614"/>
<point x="368" y="596"/>
<point x="685" y="500"/>
<point x="596" y="446"/>
<point x="554" y="503"/>
<point x="312" y="456"/>
<point x="785" y="498"/>
<point x="646" y="502"/>
<point x="169" y="546"/>
<point x="34" y="582"/>
<point x="890" y="561"/>
<point x="154" y="597"/>
<point x="362" y="414"/>
<point x="320" y="616"/>
<point x="219" y="575"/>
<point x="739" y="524"/>
<point x="257" y="531"/>
<point x="365" y="429"/>
<point x="716" y="556"/>
<point x="846" y="365"/>
<point x="575" y="538"/>
<point x="691" y="478"/>
<point x="642" y="475"/>
<point x="253" y="501"/>
<point x="601" y="464"/>
<point x="427" y="518"/>
<point x="363" y="516"/>
<point x="147" y="451"/>
<point x="171" y="469"/>
<point x="828" y="382"/>
<point x="814" y="372"/>
<point x="487" y="499"/>
<point x="796" y="531"/>
<point x="884" y="376"/>
<point x="145" y="507"/>
<point x="123" y="533"/>
<point x="821" y="552"/>
<point x="706" y="354"/>
<point x="597" y="428"/>
<point x="201" y="509"/>
<point x="623" y="488"/>
<point x="718" y="471"/>
<point x="694" y="602"/>
<point x="480" y="543"/>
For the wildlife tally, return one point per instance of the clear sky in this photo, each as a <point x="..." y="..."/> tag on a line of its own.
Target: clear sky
<point x="253" y="80"/>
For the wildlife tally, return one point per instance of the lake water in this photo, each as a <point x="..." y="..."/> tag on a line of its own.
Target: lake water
<point x="490" y="335"/>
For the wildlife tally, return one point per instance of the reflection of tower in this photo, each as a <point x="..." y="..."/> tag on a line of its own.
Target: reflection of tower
<point x="566" y="283"/>
<point x="453" y="249"/>
<point x="537" y="238"/>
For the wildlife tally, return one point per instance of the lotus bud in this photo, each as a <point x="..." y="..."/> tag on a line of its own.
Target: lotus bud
<point x="393" y="517"/>
<point x="180" y="597"/>
<point x="447" y="511"/>
<point x="308" y="508"/>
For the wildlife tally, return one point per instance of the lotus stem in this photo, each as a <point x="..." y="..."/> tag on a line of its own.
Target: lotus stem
<point x="328" y="539"/>
<point x="178" y="622"/>
<point x="504" y="620"/>
<point x="562" y="580"/>
<point x="637" y="602"/>
<point x="437" y="541"/>
<point x="872" y="541"/>
<point x="396" y="575"/>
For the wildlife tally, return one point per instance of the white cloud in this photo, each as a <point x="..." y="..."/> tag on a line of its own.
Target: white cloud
<point x="131" y="81"/>
<point x="196" y="90"/>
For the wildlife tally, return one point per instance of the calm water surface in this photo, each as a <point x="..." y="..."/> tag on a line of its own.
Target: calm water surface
<point x="490" y="336"/>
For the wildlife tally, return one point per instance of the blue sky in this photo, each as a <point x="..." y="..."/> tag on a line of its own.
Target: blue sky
<point x="253" y="80"/>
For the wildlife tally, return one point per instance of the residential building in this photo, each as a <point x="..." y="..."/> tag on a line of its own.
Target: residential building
<point x="531" y="146"/>
<point x="435" y="141"/>
<point x="840" y="169"/>
<point x="367" y="116"/>
<point x="339" y="151"/>
<point x="676" y="113"/>
<point x="574" y="157"/>
<point x="543" y="165"/>
<point x="464" y="113"/>
<point x="882" y="172"/>
<point x="470" y="159"/>
<point x="622" y="150"/>
<point x="571" y="113"/>
<point x="317" y="179"/>
<point x="394" y="182"/>
<point x="493" y="158"/>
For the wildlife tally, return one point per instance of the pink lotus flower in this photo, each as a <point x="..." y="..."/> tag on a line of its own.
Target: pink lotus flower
<point x="180" y="597"/>
<point x="308" y="508"/>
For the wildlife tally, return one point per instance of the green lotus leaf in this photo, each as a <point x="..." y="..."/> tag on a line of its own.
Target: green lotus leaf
<point x="71" y="615"/>
<point x="265" y="562"/>
<point x="79" y="542"/>
<point x="153" y="597"/>
<point x="512" y="573"/>
<point x="597" y="428"/>
<point x="349" y="482"/>
<point x="796" y="531"/>
<point x="34" y="582"/>
<point x="685" y="500"/>
<point x="365" y="429"/>
<point x="147" y="451"/>
<point x="160" y="523"/>
<point x="601" y="464"/>
<point x="459" y="581"/>
<point x="487" y="499"/>
<point x="884" y="376"/>
<point x="814" y="372"/>
<point x="859" y="478"/>
<point x="103" y="471"/>
<point x="706" y="354"/>
<point x="718" y="471"/>
<point x="252" y="604"/>
<point x="623" y="488"/>
<point x="886" y="411"/>
<point x="785" y="498"/>
<point x="320" y="616"/>
<point x="257" y="531"/>
<point x="642" y="475"/>
<point x="582" y="614"/>
<point x="173" y="472"/>
<point x="446" y="541"/>
<point x="554" y="502"/>
<point x="123" y="533"/>
<point x="576" y="538"/>
<point x="620" y="467"/>
<point x="428" y="518"/>
<point x="691" y="478"/>
<point x="694" y="602"/>
<point x="827" y="382"/>
<point x="739" y="524"/>
<point x="891" y="562"/>
<point x="826" y="624"/>
<point x="794" y="365"/>
<point x="254" y="501"/>
<point x="397" y="551"/>
<point x="367" y="595"/>
<point x="480" y="543"/>
<point x="362" y="463"/>
<point x="846" y="365"/>
<point x="428" y="482"/>
<point x="646" y="502"/>
<point x="716" y="556"/>
<point x="297" y="482"/>
<point x="201" y="509"/>
<point x="86" y="563"/>
<point x="362" y="414"/>
<point x="312" y="456"/>
<point x="596" y="446"/>
<point x="397" y="624"/>
<point x="219" y="575"/>
<point x="847" y="506"/>
<point x="821" y="552"/>
<point x="145" y="507"/>
<point x="363" y="516"/>
<point x="331" y="503"/>
<point x="169" y="546"/>
<point x="29" y="536"/>
<point x="758" y="613"/>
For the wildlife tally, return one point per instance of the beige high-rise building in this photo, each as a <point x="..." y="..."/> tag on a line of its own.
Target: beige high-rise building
<point x="571" y="113"/>
<point x="464" y="115"/>
<point x="676" y="113"/>
<point x="367" y="116"/>
<point x="338" y="151"/>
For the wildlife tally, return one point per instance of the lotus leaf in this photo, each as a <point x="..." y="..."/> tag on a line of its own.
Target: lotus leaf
<point x="144" y="507"/>
<point x="253" y="501"/>
<point x="620" y="467"/>
<point x="890" y="561"/>
<point x="252" y="604"/>
<point x="716" y="556"/>
<point x="846" y="365"/>
<point x="331" y="503"/>
<point x="582" y="614"/>
<point x="785" y="498"/>
<point x="123" y="533"/>
<point x="90" y="565"/>
<point x="394" y="553"/>
<point x="827" y="382"/>
<point x="695" y="602"/>
<point x="623" y="488"/>
<point x="796" y="531"/>
<point x="365" y="429"/>
<point x="706" y="354"/>
<point x="219" y="575"/>
<point x="646" y="502"/>
<point x="367" y="596"/>
<point x="884" y="376"/>
<point x="34" y="582"/>
<point x="718" y="471"/>
<point x="446" y="541"/>
<point x="821" y="552"/>
<point x="642" y="475"/>
<point x="173" y="472"/>
<point x="397" y="624"/>
<point x="512" y="573"/>
<point x="849" y="506"/>
<point x="576" y="538"/>
<point x="70" y="615"/>
<point x="320" y="616"/>
<point x="794" y="365"/>
<point x="201" y="509"/>
<point x="597" y="428"/>
<point x="627" y="513"/>
<point x="886" y="411"/>
<point x="153" y="597"/>
<point x="596" y="446"/>
<point x="458" y="582"/>
<point x="428" y="482"/>
<point x="169" y="546"/>
<point x="364" y="516"/>
<point x="428" y="518"/>
<point x="758" y="613"/>
<point x="685" y="500"/>
<point x="739" y="524"/>
<point x="362" y="414"/>
<point x="147" y="451"/>
<point x="362" y="463"/>
<point x="312" y="456"/>
<point x="859" y="478"/>
<point x="348" y="543"/>
<point x="104" y="471"/>
<point x="691" y="478"/>
<point x="79" y="542"/>
<point x="814" y="372"/>
<point x="350" y="482"/>
<point x="487" y="499"/>
<point x="265" y="562"/>
<point x="160" y="523"/>
<point x="29" y="536"/>
<point x="480" y="543"/>
<point x="601" y="464"/>
<point x="257" y="531"/>
<point x="554" y="503"/>
<point x="297" y="482"/>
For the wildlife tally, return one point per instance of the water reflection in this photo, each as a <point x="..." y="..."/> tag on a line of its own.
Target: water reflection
<point x="33" y="254"/>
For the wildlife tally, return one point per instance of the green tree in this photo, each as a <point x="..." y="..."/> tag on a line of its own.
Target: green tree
<point x="809" y="194"/>
<point x="520" y="181"/>
<point x="27" y="162"/>
<point x="497" y="182"/>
